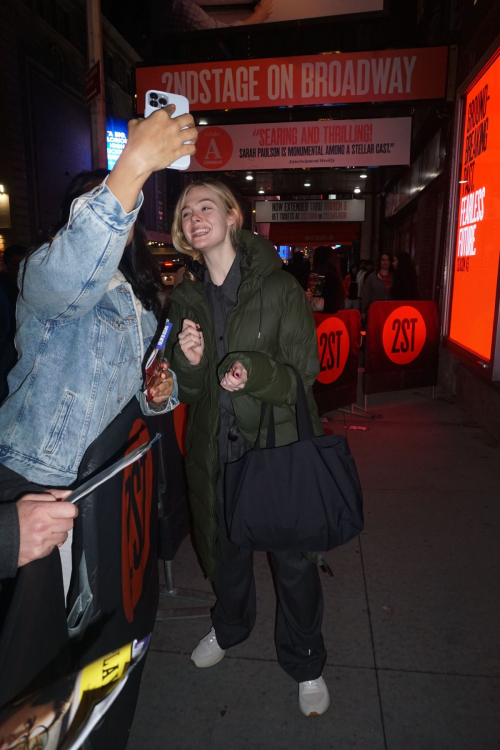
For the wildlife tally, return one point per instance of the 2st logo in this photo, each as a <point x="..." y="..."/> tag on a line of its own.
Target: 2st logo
<point x="333" y="349"/>
<point x="136" y="518"/>
<point x="404" y="335"/>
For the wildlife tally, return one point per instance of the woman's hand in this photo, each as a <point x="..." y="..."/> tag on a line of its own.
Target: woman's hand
<point x="191" y="342"/>
<point x="235" y="378"/>
<point x="163" y="385"/>
<point x="156" y="142"/>
<point x="153" y="144"/>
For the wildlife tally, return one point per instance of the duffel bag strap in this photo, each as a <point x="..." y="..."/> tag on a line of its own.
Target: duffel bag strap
<point x="271" y="435"/>
<point x="305" y="427"/>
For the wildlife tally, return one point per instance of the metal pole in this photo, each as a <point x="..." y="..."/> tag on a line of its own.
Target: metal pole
<point x="98" y="105"/>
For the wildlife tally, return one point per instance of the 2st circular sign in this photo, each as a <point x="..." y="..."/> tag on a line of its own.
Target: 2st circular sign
<point x="333" y="349"/>
<point x="404" y="335"/>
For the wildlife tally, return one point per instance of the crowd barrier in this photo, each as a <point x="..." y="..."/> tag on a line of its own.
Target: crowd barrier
<point x="114" y="590"/>
<point x="338" y="347"/>
<point x="401" y="351"/>
<point x="402" y="346"/>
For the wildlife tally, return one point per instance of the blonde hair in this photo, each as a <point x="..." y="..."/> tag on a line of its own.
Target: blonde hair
<point x="228" y="201"/>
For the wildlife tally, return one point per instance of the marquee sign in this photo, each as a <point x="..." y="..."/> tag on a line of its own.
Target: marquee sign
<point x="306" y="211"/>
<point x="348" y="77"/>
<point x="293" y="145"/>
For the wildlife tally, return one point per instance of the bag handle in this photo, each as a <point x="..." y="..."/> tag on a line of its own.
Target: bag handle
<point x="271" y="435"/>
<point x="305" y="427"/>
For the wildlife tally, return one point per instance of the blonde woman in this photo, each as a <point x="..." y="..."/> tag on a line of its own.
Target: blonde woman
<point x="238" y="321"/>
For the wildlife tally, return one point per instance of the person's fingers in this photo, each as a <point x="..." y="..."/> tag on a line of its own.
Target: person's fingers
<point x="186" y="122"/>
<point x="186" y="323"/>
<point x="38" y="497"/>
<point x="170" y="108"/>
<point x="190" y="135"/>
<point x="59" y="526"/>
<point x="60" y="494"/>
<point x="190" y="338"/>
<point x="63" y="510"/>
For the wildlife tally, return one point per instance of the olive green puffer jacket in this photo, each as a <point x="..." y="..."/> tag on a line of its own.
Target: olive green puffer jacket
<point x="270" y="326"/>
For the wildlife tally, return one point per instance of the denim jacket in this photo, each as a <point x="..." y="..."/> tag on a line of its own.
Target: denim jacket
<point x="81" y="339"/>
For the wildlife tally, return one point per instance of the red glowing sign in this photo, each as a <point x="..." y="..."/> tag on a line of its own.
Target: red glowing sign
<point x="404" y="335"/>
<point x="333" y="349"/>
<point x="478" y="231"/>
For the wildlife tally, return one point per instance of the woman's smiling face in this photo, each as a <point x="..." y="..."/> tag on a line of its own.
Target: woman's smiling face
<point x="205" y="221"/>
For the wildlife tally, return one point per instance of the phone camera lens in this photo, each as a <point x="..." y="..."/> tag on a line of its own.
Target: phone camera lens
<point x="153" y="103"/>
<point x="153" y="96"/>
<point x="163" y="101"/>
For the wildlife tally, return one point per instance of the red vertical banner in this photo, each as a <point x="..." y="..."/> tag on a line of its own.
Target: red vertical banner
<point x="338" y="348"/>
<point x="402" y="348"/>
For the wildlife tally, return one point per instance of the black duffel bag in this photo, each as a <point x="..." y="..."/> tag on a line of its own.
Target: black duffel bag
<point x="304" y="496"/>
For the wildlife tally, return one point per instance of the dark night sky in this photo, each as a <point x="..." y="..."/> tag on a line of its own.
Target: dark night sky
<point x="131" y="19"/>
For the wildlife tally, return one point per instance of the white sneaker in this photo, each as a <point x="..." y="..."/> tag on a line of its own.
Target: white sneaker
<point x="207" y="653"/>
<point x="314" y="697"/>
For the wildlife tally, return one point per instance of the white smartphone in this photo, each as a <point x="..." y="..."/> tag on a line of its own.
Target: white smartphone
<point x="158" y="100"/>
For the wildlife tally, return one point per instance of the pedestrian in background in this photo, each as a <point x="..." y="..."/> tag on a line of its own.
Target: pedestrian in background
<point x="300" y="268"/>
<point x="351" y="289"/>
<point x="238" y="321"/>
<point x="377" y="286"/>
<point x="405" y="282"/>
<point x="326" y="263"/>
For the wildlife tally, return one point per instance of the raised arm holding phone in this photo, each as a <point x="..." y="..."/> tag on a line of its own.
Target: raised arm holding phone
<point x="86" y="316"/>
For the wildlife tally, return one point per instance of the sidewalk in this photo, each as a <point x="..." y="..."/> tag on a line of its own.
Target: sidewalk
<point x="412" y="616"/>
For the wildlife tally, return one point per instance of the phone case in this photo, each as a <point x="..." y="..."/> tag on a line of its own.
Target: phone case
<point x="159" y="99"/>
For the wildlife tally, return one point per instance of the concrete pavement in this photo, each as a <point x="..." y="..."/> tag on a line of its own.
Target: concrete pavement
<point x="412" y="613"/>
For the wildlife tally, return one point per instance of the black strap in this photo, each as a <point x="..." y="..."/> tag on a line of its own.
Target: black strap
<point x="271" y="435"/>
<point x="305" y="427"/>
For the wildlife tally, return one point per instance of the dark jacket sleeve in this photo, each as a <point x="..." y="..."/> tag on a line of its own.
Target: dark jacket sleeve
<point x="9" y="540"/>
<point x="190" y="378"/>
<point x="270" y="380"/>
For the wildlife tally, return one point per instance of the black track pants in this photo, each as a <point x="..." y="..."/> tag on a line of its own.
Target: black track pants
<point x="299" y="643"/>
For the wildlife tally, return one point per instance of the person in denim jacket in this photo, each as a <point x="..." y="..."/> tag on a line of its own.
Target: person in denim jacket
<point x="82" y="332"/>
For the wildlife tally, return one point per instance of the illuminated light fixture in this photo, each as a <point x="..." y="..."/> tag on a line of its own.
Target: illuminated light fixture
<point x="169" y="264"/>
<point x="357" y="190"/>
<point x="202" y="122"/>
<point x="332" y="196"/>
<point x="307" y="184"/>
<point x="253" y="210"/>
<point x="460" y="182"/>
<point x="2" y="189"/>
<point x="249" y="177"/>
<point x="261" y="191"/>
<point x="363" y="176"/>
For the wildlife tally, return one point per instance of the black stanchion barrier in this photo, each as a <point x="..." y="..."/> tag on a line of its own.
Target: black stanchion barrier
<point x="402" y="347"/>
<point x="114" y="589"/>
<point x="175" y="525"/>
<point x="339" y="338"/>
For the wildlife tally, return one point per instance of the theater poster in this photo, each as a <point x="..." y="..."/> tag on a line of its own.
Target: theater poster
<point x="477" y="249"/>
<point x="198" y="15"/>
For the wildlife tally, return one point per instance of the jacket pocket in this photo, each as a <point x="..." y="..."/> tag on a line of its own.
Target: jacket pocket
<point x="109" y="336"/>
<point x="59" y="423"/>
